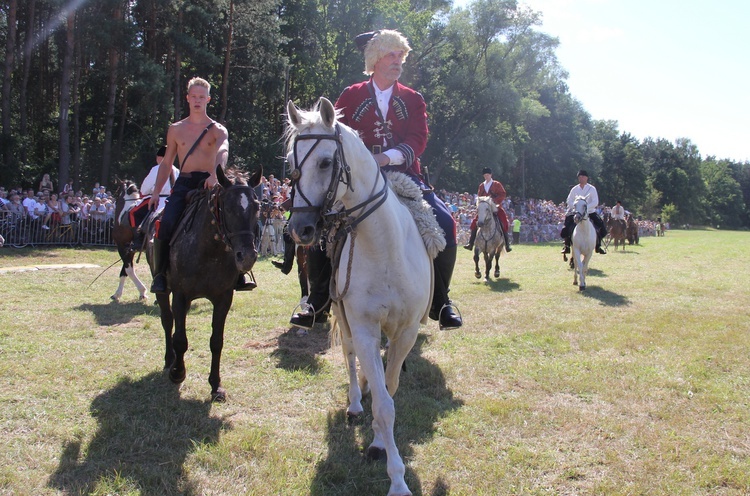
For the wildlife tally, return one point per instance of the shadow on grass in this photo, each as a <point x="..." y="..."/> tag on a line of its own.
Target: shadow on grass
<point x="145" y="433"/>
<point x="295" y="352"/>
<point x="422" y="399"/>
<point x="118" y="313"/>
<point x="502" y="285"/>
<point x="605" y="297"/>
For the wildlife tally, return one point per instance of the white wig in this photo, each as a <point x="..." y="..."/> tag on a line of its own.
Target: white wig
<point x="384" y="41"/>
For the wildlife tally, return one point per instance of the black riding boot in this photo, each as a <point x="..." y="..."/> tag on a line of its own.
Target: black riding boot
<point x="507" y="241"/>
<point x="442" y="309"/>
<point x="319" y="275"/>
<point x="161" y="262"/>
<point x="289" y="248"/>
<point x="244" y="285"/>
<point x="566" y="248"/>
<point x="472" y="238"/>
<point x="599" y="248"/>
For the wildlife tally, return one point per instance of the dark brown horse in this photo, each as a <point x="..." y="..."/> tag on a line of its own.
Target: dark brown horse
<point x="212" y="245"/>
<point x="631" y="232"/>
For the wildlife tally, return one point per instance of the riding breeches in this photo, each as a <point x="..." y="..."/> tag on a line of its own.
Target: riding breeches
<point x="501" y="216"/>
<point x="567" y="231"/>
<point x="176" y="202"/>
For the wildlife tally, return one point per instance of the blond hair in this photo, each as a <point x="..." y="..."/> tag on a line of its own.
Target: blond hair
<point x="382" y="43"/>
<point x="196" y="81"/>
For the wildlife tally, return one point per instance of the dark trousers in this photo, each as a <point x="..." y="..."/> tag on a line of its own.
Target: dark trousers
<point x="176" y="202"/>
<point x="601" y="229"/>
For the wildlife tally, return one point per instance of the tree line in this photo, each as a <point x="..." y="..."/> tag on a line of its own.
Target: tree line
<point x="90" y="87"/>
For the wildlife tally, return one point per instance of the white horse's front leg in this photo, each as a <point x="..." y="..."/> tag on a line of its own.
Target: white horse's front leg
<point x="138" y="284"/>
<point x="384" y="415"/>
<point x="355" y="392"/>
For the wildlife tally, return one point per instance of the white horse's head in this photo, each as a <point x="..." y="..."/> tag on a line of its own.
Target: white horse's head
<point x="316" y="149"/>
<point x="486" y="210"/>
<point x="581" y="208"/>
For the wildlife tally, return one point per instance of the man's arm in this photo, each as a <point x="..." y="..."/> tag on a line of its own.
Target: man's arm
<point x="165" y="167"/>
<point x="222" y="154"/>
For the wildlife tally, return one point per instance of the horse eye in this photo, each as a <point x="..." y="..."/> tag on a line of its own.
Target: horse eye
<point x="326" y="163"/>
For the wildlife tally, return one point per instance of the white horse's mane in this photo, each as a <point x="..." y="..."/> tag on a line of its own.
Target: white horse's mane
<point x="489" y="201"/>
<point x="308" y="119"/>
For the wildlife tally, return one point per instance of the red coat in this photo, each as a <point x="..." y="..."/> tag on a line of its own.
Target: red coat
<point x="498" y="194"/>
<point x="406" y="122"/>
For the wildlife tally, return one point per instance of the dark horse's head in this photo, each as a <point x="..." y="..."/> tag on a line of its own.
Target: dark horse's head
<point x="235" y="208"/>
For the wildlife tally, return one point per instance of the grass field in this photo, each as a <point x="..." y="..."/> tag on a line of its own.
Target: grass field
<point x="638" y="386"/>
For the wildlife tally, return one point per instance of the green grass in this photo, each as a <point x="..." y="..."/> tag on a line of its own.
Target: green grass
<point x="639" y="385"/>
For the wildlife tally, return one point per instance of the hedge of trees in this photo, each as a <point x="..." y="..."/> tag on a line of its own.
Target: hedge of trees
<point x="89" y="88"/>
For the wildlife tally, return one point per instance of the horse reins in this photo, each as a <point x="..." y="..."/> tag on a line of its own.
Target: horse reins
<point x="216" y="207"/>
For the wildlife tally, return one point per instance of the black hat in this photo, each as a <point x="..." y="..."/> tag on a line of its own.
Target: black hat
<point x="486" y="170"/>
<point x="162" y="151"/>
<point x="362" y="39"/>
<point x="582" y="173"/>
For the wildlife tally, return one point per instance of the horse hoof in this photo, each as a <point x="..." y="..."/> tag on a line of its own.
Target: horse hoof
<point x="581" y="288"/>
<point x="497" y="274"/>
<point x="219" y="396"/>
<point x="373" y="453"/>
<point x="143" y="297"/>
<point x="115" y="298"/>
<point x="477" y="275"/>
<point x="353" y="418"/>
<point x="177" y="377"/>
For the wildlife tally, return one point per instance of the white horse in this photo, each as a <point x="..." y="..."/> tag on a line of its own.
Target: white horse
<point x="584" y="241"/>
<point x="490" y="239"/>
<point x="382" y="271"/>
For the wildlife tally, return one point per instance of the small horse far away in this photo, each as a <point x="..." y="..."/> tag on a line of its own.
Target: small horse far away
<point x="212" y="245"/>
<point x="127" y="198"/>
<point x="490" y="240"/>
<point x="584" y="242"/>
<point x="617" y="232"/>
<point x="379" y="288"/>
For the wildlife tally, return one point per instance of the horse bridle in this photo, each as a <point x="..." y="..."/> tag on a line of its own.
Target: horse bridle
<point x="216" y="207"/>
<point x="341" y="172"/>
<point x="577" y="217"/>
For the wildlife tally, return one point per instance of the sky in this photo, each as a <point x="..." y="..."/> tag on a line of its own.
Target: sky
<point x="661" y="68"/>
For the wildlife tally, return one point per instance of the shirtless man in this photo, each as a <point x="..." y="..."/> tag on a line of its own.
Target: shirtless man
<point x="198" y="169"/>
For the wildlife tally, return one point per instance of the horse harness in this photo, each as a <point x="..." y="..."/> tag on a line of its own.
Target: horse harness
<point x="337" y="222"/>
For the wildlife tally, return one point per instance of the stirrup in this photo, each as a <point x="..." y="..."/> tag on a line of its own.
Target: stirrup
<point x="440" y="314"/>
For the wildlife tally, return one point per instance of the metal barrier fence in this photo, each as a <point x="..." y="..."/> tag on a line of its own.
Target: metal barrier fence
<point x="19" y="232"/>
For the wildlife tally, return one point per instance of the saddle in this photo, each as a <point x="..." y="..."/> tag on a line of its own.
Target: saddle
<point x="410" y="195"/>
<point x="193" y="201"/>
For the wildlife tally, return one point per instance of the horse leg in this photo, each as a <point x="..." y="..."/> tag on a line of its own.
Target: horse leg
<point x="130" y="271"/>
<point x="167" y="321"/>
<point x="477" y="273"/>
<point x="383" y="411"/>
<point x="497" y="263"/>
<point x="575" y="261"/>
<point x="221" y="309"/>
<point x="397" y="352"/>
<point x="487" y="265"/>
<point x="180" y="308"/>
<point x="118" y="294"/>
<point x="358" y="386"/>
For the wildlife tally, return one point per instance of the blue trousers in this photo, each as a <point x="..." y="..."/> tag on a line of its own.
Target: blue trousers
<point x="176" y="202"/>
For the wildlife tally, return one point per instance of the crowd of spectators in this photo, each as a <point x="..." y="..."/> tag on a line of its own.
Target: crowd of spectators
<point x="541" y="220"/>
<point x="46" y="207"/>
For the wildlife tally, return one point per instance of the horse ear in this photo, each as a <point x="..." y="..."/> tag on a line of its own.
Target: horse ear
<point x="327" y="112"/>
<point x="255" y="178"/>
<point x="292" y="114"/>
<point x="221" y="177"/>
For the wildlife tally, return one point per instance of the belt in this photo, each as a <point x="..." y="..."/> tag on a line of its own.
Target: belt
<point x="189" y="175"/>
